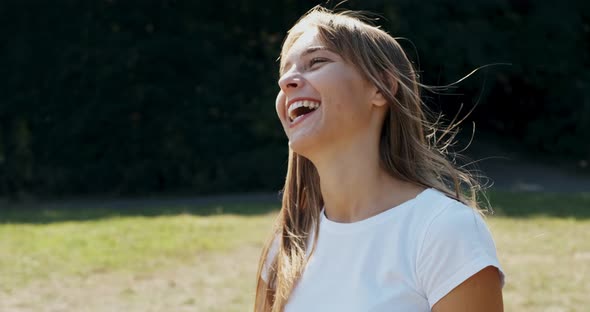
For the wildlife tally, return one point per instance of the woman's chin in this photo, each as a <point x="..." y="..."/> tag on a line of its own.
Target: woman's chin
<point x="305" y="146"/>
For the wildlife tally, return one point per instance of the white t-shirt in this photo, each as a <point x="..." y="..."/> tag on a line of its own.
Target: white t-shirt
<point x="404" y="259"/>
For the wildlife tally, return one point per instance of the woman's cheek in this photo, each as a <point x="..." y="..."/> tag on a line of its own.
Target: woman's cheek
<point x="280" y="104"/>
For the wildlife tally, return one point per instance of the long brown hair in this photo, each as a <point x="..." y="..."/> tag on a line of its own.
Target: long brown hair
<point x="412" y="148"/>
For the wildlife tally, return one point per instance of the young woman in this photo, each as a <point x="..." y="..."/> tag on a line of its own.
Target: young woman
<point x="374" y="216"/>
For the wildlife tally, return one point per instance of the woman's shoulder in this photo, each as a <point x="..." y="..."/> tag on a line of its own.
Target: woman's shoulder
<point x="433" y="204"/>
<point x="454" y="244"/>
<point x="441" y="216"/>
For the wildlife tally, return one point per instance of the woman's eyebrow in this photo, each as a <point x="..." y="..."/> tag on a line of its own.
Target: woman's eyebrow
<point x="313" y="49"/>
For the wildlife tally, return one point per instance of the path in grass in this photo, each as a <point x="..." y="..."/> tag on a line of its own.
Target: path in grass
<point x="216" y="282"/>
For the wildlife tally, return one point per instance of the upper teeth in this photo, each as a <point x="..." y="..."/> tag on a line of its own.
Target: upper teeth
<point x="296" y="105"/>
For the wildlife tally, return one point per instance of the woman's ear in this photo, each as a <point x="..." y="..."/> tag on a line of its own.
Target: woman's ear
<point x="379" y="99"/>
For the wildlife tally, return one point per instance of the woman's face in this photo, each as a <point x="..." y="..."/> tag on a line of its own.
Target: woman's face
<point x="324" y="102"/>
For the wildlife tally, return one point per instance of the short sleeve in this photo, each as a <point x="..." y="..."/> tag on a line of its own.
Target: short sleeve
<point x="272" y="253"/>
<point x="457" y="244"/>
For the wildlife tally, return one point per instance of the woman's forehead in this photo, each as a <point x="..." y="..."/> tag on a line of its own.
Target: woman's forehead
<point x="307" y="39"/>
<point x="307" y="43"/>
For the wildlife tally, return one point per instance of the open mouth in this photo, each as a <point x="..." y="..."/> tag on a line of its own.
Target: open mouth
<point x="299" y="109"/>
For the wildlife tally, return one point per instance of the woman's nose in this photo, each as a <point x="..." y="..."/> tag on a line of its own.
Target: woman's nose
<point x="290" y="82"/>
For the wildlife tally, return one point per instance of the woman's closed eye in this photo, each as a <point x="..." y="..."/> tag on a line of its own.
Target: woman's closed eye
<point x="316" y="60"/>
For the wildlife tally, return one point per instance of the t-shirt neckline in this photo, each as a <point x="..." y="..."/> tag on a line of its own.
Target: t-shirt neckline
<point x="333" y="226"/>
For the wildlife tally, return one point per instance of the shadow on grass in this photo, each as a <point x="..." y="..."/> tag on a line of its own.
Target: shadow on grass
<point x="509" y="204"/>
<point x="529" y="204"/>
<point x="90" y="210"/>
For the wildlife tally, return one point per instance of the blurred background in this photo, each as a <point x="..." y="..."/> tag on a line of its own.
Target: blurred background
<point x="130" y="98"/>
<point x="171" y="104"/>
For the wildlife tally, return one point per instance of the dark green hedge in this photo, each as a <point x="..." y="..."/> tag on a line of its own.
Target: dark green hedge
<point x="131" y="97"/>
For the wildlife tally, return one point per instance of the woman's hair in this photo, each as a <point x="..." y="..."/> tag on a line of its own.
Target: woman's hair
<point x="411" y="148"/>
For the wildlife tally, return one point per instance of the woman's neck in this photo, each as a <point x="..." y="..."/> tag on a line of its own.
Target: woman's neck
<point x="355" y="187"/>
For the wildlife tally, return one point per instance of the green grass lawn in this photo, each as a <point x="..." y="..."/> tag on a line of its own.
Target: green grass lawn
<point x="204" y="258"/>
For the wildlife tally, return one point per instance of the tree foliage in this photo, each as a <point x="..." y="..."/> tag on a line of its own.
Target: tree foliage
<point x="161" y="96"/>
